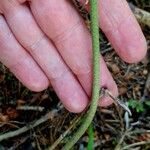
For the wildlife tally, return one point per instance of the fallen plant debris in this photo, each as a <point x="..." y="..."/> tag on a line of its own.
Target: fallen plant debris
<point x="112" y="129"/>
<point x="141" y="15"/>
<point x="30" y="126"/>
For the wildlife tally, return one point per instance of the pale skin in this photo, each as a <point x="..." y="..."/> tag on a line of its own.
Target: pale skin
<point x="46" y="42"/>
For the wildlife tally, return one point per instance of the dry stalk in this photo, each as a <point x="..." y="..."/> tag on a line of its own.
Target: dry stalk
<point x="24" y="129"/>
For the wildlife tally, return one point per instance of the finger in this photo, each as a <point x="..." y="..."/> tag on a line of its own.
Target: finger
<point x="122" y="29"/>
<point x="42" y="50"/>
<point x="65" y="27"/>
<point x="19" y="61"/>
<point x="106" y="81"/>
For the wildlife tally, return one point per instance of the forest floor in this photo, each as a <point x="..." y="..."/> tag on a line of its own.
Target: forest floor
<point x="38" y="119"/>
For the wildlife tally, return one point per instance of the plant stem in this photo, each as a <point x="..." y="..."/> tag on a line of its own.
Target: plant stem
<point x="96" y="76"/>
<point x="90" y="145"/>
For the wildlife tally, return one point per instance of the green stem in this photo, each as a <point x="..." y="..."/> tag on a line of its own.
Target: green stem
<point x="90" y="145"/>
<point x="96" y="76"/>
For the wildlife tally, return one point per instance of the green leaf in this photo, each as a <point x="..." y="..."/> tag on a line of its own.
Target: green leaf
<point x="136" y="105"/>
<point x="132" y="103"/>
<point x="147" y="103"/>
<point x="139" y="107"/>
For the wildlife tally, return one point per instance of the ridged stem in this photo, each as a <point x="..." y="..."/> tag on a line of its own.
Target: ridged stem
<point x="96" y="76"/>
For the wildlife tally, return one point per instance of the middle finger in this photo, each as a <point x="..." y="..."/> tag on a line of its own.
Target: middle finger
<point x="62" y="23"/>
<point x="43" y="51"/>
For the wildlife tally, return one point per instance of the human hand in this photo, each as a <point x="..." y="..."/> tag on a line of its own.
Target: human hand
<point x="46" y="42"/>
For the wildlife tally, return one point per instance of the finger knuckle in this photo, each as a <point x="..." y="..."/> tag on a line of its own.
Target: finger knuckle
<point x="67" y="33"/>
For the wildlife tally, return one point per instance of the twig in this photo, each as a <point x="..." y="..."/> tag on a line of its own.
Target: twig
<point x="147" y="85"/>
<point x="136" y="144"/>
<point x="140" y="132"/>
<point x="21" y="141"/>
<point x="62" y="136"/>
<point x="37" y="142"/>
<point x="96" y="76"/>
<point x="141" y="15"/>
<point x="126" y="118"/>
<point x="118" y="146"/>
<point x="24" y="129"/>
<point x="33" y="108"/>
<point x="8" y="123"/>
<point x="116" y="100"/>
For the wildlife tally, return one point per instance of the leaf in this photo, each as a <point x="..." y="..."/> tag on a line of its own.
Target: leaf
<point x="132" y="103"/>
<point x="139" y="107"/>
<point x="147" y="103"/>
<point x="136" y="105"/>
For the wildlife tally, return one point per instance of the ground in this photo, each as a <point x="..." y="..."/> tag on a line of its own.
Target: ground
<point x="22" y="109"/>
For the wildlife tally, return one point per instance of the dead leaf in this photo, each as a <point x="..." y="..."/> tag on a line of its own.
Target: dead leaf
<point x="122" y="90"/>
<point x="12" y="113"/>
